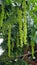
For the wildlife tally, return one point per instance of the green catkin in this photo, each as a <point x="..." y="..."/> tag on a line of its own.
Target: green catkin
<point x="32" y="51"/>
<point x="1" y="15"/>
<point x="12" y="45"/>
<point x="9" y="37"/>
<point x="17" y="40"/>
<point x="20" y="27"/>
<point x="24" y="22"/>
<point x="32" y="47"/>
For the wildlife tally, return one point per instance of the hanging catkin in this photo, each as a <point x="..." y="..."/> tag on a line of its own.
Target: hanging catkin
<point x="24" y="22"/>
<point x="1" y="15"/>
<point x="17" y="40"/>
<point x="9" y="37"/>
<point x="20" y="26"/>
<point x="32" y="48"/>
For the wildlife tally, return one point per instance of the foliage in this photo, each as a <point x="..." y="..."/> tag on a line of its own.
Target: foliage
<point x="18" y="25"/>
